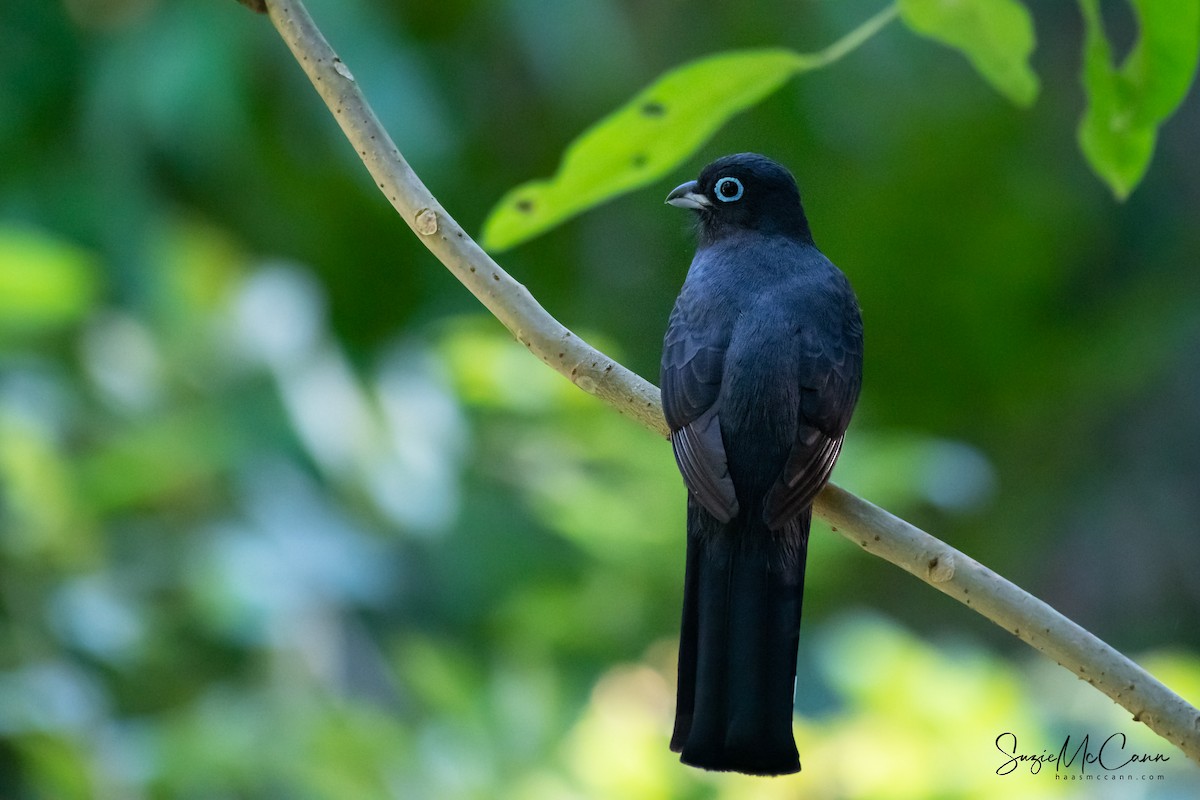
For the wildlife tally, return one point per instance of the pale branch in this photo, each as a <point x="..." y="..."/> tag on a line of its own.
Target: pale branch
<point x="1017" y="611"/>
<point x="874" y="529"/>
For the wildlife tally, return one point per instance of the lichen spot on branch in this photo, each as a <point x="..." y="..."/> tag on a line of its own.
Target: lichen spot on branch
<point x="426" y="222"/>
<point x="941" y="568"/>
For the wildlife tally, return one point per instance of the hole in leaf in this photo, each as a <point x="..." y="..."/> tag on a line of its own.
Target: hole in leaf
<point x="525" y="205"/>
<point x="653" y="109"/>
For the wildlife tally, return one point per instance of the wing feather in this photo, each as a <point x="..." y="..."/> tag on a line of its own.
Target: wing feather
<point x="830" y="374"/>
<point x="692" y="367"/>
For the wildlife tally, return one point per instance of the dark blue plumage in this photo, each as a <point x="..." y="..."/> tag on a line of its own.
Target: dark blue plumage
<point x="761" y="369"/>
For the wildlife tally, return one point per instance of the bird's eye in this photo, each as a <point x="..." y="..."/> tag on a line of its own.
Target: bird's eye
<point x="728" y="190"/>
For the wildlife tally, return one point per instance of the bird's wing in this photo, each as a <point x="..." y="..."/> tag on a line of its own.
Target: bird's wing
<point x="692" y="364"/>
<point x="830" y="375"/>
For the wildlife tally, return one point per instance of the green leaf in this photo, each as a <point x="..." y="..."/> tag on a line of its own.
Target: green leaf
<point x="44" y="282"/>
<point x="995" y="35"/>
<point x="1127" y="104"/>
<point x="641" y="141"/>
<point x="655" y="132"/>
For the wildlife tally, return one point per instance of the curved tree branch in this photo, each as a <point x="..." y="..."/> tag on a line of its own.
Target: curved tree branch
<point x="874" y="529"/>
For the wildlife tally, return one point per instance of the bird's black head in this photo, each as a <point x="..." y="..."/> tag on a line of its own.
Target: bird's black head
<point x="745" y="191"/>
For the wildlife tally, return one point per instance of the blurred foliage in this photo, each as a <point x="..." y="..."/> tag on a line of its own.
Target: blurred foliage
<point x="283" y="514"/>
<point x="43" y="283"/>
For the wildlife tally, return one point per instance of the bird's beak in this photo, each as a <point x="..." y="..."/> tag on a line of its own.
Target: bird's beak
<point x="687" y="195"/>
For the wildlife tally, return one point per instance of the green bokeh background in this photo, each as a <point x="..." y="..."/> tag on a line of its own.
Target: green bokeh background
<point x="283" y="514"/>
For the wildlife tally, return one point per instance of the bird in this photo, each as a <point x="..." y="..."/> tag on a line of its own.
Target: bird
<point x="761" y="371"/>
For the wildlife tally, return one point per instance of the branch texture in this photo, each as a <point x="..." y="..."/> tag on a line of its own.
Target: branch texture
<point x="874" y="529"/>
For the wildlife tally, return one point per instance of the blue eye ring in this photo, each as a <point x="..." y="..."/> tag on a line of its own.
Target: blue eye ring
<point x="722" y="187"/>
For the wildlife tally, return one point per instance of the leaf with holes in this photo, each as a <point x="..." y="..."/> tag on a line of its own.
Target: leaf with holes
<point x="643" y="140"/>
<point x="1126" y="105"/>
<point x="995" y="35"/>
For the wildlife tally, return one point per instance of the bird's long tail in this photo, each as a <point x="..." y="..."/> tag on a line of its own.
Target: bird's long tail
<point x="737" y="650"/>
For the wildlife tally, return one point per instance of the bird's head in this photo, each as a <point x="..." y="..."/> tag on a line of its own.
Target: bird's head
<point x="745" y="191"/>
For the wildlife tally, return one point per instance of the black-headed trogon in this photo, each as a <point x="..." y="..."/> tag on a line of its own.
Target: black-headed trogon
<point x="761" y="369"/>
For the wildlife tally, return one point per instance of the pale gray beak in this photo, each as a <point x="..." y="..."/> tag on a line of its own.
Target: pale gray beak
<point x="687" y="195"/>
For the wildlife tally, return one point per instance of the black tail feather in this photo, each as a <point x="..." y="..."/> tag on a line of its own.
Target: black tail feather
<point x="737" y="651"/>
<point x="685" y="698"/>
